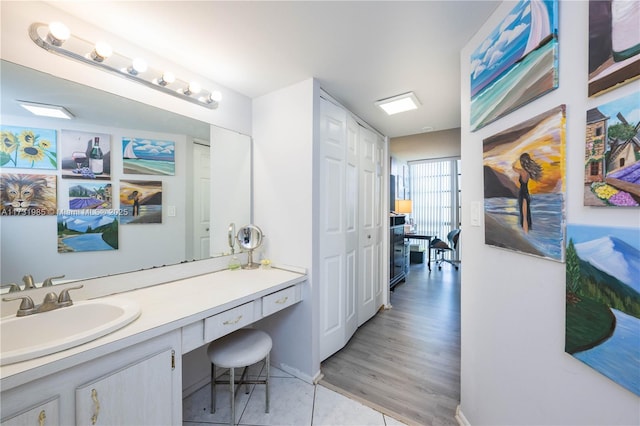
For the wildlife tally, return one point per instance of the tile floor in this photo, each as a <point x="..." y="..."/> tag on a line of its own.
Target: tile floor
<point x="293" y="402"/>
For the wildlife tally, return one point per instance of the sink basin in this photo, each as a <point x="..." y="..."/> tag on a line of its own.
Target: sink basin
<point x="33" y="336"/>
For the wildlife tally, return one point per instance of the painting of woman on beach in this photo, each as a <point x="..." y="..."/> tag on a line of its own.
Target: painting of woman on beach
<point x="524" y="174"/>
<point x="140" y="201"/>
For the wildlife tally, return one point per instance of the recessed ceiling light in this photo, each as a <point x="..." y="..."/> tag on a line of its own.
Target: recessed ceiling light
<point x="399" y="103"/>
<point x="46" y="110"/>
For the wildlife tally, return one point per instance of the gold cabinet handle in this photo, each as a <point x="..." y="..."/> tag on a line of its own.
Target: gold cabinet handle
<point x="282" y="300"/>
<point x="96" y="406"/>
<point x="41" y="418"/>
<point x="231" y="322"/>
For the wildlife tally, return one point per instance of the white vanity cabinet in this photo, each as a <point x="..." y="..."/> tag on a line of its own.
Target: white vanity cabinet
<point x="42" y="414"/>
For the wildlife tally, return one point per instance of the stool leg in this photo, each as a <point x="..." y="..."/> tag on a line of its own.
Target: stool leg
<point x="213" y="388"/>
<point x="267" y="361"/>
<point x="232" y="395"/>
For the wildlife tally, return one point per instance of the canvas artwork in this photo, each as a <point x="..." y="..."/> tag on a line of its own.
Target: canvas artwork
<point x="140" y="201"/>
<point x="524" y="184"/>
<point x="612" y="151"/>
<point x="614" y="44"/>
<point x="148" y="156"/>
<point x="91" y="232"/>
<point x="28" y="195"/>
<point x="28" y="148"/>
<point x="516" y="63"/>
<point x="90" y="195"/>
<point x="85" y="155"/>
<point x="602" y="326"/>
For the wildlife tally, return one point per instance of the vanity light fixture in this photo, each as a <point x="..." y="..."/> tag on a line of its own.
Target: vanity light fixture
<point x="56" y="38"/>
<point x="400" y="103"/>
<point x="46" y="110"/>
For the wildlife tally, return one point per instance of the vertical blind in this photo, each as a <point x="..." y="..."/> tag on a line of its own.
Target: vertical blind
<point x="435" y="191"/>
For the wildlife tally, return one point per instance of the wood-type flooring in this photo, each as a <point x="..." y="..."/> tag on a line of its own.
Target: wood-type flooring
<point x="405" y="361"/>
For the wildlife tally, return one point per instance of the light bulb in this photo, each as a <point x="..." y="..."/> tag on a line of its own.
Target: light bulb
<point x="167" y="78"/>
<point x="101" y="52"/>
<point x="193" y="89"/>
<point x="215" y="96"/>
<point x="58" y="33"/>
<point x="138" y="65"/>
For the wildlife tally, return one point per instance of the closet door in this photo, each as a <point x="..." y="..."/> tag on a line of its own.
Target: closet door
<point x="352" y="231"/>
<point x="380" y="219"/>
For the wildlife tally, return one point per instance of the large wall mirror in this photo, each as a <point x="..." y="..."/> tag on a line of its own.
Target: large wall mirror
<point x="209" y="188"/>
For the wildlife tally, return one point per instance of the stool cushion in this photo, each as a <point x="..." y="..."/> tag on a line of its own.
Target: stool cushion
<point x="240" y="348"/>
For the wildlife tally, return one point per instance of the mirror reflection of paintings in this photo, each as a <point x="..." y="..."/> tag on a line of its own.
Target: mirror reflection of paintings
<point x="90" y="195"/>
<point x="602" y="324"/>
<point x="614" y="44"/>
<point x="524" y="175"/>
<point x="612" y="153"/>
<point x="516" y="63"/>
<point x="85" y="155"/>
<point x="87" y="232"/>
<point x="28" y="148"/>
<point x="140" y="201"/>
<point x="148" y="156"/>
<point x="28" y="195"/>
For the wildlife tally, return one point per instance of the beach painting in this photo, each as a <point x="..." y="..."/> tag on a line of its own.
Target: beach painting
<point x="28" y="148"/>
<point x="602" y="324"/>
<point x="614" y="44"/>
<point x="90" y="195"/>
<point x="91" y="232"/>
<point x="524" y="186"/>
<point x="85" y="155"/>
<point x="612" y="153"/>
<point x="148" y="156"/>
<point x="140" y="201"/>
<point x="28" y="194"/>
<point x="516" y="63"/>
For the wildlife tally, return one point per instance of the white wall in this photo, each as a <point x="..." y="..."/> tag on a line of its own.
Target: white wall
<point x="514" y="368"/>
<point x="440" y="144"/>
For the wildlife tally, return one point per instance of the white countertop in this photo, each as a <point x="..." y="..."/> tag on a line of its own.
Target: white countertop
<point x="164" y="308"/>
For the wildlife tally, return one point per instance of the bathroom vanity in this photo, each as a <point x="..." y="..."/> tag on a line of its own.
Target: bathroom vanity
<point x="134" y="375"/>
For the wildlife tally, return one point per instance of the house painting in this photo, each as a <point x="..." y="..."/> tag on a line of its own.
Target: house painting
<point x="595" y="146"/>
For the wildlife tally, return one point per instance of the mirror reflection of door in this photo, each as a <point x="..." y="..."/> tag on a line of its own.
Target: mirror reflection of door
<point x="201" y="209"/>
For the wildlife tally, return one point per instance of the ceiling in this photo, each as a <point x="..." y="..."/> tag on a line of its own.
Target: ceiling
<point x="360" y="51"/>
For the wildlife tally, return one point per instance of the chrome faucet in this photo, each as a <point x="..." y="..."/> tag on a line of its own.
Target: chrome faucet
<point x="28" y="282"/>
<point x="51" y="301"/>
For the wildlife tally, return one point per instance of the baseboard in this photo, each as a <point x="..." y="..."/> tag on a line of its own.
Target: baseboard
<point x="300" y="375"/>
<point x="462" y="420"/>
<point x="205" y="380"/>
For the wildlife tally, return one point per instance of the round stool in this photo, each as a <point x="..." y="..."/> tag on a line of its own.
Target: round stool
<point x="239" y="349"/>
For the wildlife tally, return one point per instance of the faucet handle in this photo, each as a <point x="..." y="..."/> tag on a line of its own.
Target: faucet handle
<point x="64" y="299"/>
<point x="48" y="282"/>
<point x="13" y="287"/>
<point x="25" y="305"/>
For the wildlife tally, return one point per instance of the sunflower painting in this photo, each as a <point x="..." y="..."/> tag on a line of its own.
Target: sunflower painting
<point x="28" y="148"/>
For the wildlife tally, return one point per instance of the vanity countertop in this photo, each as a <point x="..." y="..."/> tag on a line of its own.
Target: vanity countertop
<point x="164" y="308"/>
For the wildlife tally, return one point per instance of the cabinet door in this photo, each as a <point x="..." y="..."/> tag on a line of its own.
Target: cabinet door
<point x="45" y="414"/>
<point x="140" y="394"/>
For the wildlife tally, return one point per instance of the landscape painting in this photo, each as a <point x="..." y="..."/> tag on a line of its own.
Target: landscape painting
<point x="602" y="326"/>
<point x="148" y="156"/>
<point x="140" y="201"/>
<point x="28" y="195"/>
<point x="28" y="148"/>
<point x="524" y="185"/>
<point x="612" y="153"/>
<point x="614" y="44"/>
<point x="516" y="63"/>
<point x="85" y="155"/>
<point x="90" y="195"/>
<point x="92" y="232"/>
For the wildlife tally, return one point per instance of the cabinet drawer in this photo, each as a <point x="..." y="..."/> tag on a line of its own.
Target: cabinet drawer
<point x="228" y="321"/>
<point x="279" y="300"/>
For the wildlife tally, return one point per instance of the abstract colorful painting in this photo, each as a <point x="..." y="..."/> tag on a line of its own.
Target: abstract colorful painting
<point x="516" y="63"/>
<point x="28" y="195"/>
<point x="602" y="326"/>
<point x="90" y="195"/>
<point x="140" y="201"/>
<point x="148" y="156"/>
<point x="614" y="44"/>
<point x="85" y="155"/>
<point x="524" y="185"/>
<point x="28" y="148"/>
<point x="90" y="232"/>
<point x="612" y="153"/>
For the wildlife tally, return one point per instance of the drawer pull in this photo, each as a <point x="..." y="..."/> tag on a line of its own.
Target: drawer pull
<point x="231" y="322"/>
<point x="41" y="418"/>
<point x="282" y="300"/>
<point x="96" y="406"/>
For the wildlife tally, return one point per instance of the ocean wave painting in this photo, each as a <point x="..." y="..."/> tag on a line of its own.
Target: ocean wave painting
<point x="148" y="156"/>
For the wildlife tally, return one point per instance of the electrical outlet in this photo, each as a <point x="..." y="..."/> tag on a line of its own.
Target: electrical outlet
<point x="171" y="211"/>
<point x="476" y="208"/>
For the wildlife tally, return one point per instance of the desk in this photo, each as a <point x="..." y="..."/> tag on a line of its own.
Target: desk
<point x="422" y="237"/>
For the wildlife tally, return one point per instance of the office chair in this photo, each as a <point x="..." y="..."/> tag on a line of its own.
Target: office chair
<point x="442" y="248"/>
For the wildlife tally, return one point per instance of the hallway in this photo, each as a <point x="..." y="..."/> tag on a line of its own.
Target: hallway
<point x="405" y="361"/>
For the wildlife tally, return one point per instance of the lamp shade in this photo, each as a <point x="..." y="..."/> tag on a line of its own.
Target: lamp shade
<point x="403" y="206"/>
